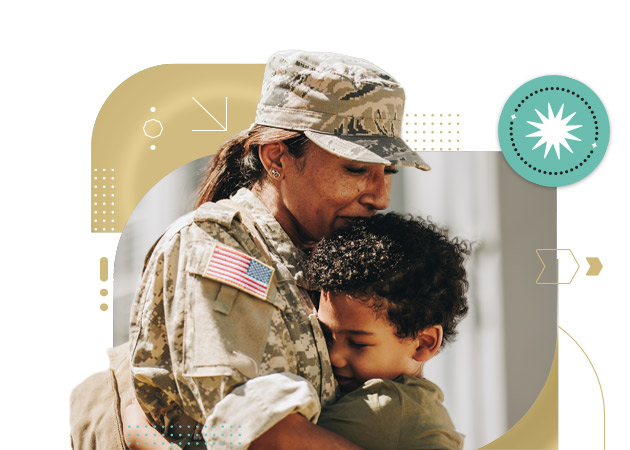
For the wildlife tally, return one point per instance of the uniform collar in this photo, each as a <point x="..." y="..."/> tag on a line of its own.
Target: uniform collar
<point x="277" y="240"/>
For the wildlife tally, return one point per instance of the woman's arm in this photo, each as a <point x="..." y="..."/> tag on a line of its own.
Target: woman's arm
<point x="134" y="419"/>
<point x="294" y="431"/>
<point x="195" y="340"/>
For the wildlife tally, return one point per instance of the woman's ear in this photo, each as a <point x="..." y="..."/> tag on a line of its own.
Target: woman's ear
<point x="428" y="343"/>
<point x="271" y="156"/>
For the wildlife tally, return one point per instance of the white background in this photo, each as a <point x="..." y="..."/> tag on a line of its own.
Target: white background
<point x="61" y="60"/>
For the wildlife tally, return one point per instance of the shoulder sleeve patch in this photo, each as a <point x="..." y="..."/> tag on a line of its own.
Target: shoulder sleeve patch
<point x="239" y="270"/>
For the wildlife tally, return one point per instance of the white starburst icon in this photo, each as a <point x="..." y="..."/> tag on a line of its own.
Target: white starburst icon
<point x="554" y="131"/>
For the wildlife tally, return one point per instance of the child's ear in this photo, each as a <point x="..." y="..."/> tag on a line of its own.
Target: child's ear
<point x="428" y="341"/>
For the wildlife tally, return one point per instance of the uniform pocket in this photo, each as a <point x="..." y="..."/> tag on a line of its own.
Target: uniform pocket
<point x="225" y="329"/>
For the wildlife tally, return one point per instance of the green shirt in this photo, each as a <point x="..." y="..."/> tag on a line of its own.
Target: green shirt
<point x="406" y="413"/>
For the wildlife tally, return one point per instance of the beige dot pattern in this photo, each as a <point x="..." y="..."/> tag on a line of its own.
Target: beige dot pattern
<point x="103" y="200"/>
<point x="432" y="131"/>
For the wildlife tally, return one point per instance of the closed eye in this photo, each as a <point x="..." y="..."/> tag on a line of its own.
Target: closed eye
<point x="389" y="170"/>
<point x="356" y="169"/>
<point x="358" y="344"/>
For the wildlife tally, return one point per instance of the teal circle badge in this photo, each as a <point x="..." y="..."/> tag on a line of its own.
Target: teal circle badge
<point x="553" y="130"/>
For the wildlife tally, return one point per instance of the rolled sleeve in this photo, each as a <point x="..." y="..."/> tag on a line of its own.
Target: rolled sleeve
<point x="254" y="407"/>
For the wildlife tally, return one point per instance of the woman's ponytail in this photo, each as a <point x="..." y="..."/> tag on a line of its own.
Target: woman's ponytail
<point x="238" y="165"/>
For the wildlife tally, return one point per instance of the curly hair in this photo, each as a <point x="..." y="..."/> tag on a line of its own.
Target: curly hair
<point x="404" y="267"/>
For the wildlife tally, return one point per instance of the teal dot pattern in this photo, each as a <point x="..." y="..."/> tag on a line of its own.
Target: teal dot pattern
<point x="184" y="438"/>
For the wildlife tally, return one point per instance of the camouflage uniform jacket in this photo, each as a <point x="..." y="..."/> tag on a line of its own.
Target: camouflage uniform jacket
<point x="194" y="340"/>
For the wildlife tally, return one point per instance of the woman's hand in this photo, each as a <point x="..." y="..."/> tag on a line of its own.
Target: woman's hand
<point x="134" y="418"/>
<point x="295" y="431"/>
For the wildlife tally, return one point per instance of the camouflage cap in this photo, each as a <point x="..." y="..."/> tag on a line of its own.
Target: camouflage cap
<point x="346" y="105"/>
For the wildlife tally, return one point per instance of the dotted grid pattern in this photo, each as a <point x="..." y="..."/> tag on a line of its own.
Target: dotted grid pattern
<point x="103" y="200"/>
<point x="593" y="117"/>
<point x="432" y="131"/>
<point x="231" y="431"/>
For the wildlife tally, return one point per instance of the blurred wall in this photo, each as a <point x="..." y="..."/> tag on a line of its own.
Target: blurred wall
<point x="171" y="198"/>
<point x="495" y="370"/>
<point x="528" y="222"/>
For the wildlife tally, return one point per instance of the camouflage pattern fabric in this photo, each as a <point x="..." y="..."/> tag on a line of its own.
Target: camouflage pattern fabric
<point x="194" y="340"/>
<point x="346" y="105"/>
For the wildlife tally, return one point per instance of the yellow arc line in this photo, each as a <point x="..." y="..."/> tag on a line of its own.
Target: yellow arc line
<point x="597" y="376"/>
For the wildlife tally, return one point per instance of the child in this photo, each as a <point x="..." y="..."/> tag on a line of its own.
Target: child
<point x="393" y="289"/>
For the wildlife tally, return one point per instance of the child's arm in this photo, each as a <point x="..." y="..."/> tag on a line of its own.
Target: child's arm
<point x="133" y="416"/>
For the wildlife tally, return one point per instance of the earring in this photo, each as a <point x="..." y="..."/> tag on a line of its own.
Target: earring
<point x="275" y="173"/>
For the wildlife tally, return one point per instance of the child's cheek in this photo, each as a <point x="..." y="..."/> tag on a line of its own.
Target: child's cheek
<point x="367" y="367"/>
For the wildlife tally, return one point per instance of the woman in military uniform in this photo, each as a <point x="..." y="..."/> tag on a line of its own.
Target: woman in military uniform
<point x="225" y="343"/>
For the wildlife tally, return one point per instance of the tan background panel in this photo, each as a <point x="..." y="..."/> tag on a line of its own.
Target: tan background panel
<point x="124" y="166"/>
<point x="538" y="428"/>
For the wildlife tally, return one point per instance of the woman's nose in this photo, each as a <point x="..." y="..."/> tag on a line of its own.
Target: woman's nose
<point x="378" y="190"/>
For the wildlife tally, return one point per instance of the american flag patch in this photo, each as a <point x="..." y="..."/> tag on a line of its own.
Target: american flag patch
<point x="239" y="270"/>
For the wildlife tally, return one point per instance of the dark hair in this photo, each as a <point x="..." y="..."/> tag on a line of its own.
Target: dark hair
<point x="402" y="266"/>
<point x="238" y="165"/>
